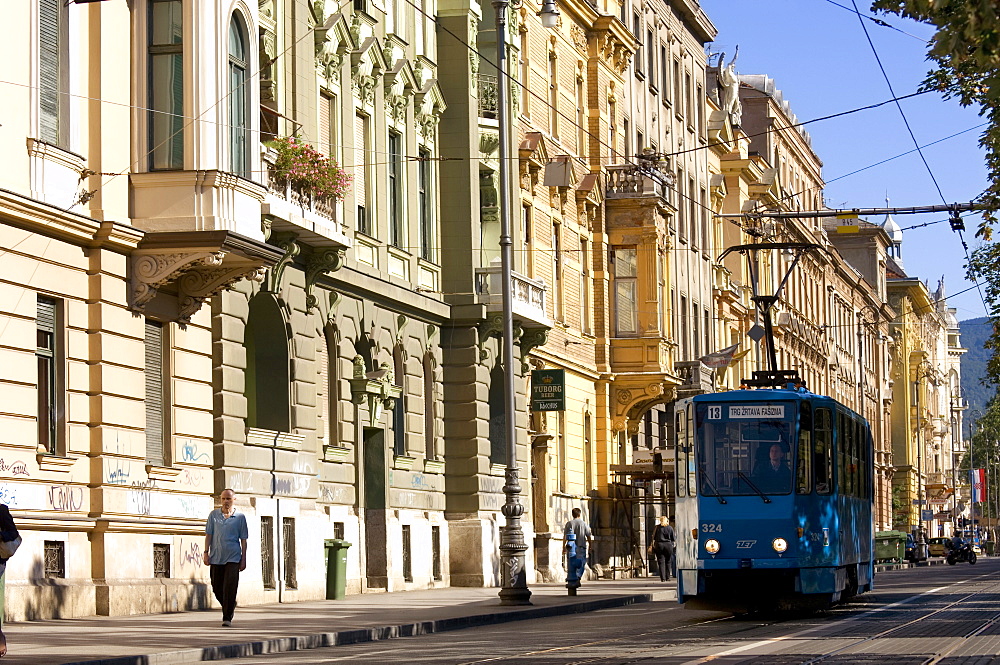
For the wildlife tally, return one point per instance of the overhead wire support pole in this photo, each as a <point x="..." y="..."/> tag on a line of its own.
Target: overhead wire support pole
<point x="513" y="574"/>
<point x="812" y="214"/>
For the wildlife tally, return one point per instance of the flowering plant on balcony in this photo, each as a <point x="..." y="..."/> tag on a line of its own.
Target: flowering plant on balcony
<point x="307" y="169"/>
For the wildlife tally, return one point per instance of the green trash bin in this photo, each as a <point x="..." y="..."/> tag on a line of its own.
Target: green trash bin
<point x="336" y="568"/>
<point x="890" y="546"/>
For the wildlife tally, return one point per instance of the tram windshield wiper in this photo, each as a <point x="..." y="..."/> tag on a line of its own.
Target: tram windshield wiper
<point x="707" y="481"/>
<point x="756" y="489"/>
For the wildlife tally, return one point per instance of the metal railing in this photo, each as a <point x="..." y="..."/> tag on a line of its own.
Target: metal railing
<point x="486" y="88"/>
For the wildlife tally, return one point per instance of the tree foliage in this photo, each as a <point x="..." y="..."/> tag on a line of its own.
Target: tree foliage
<point x="984" y="268"/>
<point x="966" y="52"/>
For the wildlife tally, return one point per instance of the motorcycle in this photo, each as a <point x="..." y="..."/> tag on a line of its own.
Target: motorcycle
<point x="962" y="554"/>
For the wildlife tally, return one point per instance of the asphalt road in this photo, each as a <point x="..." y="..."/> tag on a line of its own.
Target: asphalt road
<point x="940" y="615"/>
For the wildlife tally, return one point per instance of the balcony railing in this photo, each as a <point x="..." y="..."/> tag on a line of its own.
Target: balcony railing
<point x="528" y="296"/>
<point x="628" y="180"/>
<point x="696" y="378"/>
<point x="488" y="98"/>
<point x="284" y="189"/>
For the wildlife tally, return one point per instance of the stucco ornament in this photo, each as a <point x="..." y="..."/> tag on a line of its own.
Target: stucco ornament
<point x="374" y="388"/>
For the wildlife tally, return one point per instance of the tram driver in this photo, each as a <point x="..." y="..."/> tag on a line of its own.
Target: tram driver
<point x="773" y="473"/>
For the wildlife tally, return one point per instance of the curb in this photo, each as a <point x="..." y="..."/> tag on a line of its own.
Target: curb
<point x="363" y="635"/>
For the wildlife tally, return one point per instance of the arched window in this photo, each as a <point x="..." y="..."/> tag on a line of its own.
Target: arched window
<point x="430" y="409"/>
<point x="498" y="420"/>
<point x="399" y="406"/>
<point x="238" y="96"/>
<point x="267" y="375"/>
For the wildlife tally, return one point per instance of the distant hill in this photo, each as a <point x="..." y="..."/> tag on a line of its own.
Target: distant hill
<point x="975" y="332"/>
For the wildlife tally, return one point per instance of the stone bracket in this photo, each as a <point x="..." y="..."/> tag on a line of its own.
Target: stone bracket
<point x="318" y="264"/>
<point x="635" y="396"/>
<point x="531" y="338"/>
<point x="491" y="326"/>
<point x="198" y="274"/>
<point x="288" y="243"/>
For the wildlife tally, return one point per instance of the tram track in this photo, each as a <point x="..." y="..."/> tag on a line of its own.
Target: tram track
<point x="840" y="654"/>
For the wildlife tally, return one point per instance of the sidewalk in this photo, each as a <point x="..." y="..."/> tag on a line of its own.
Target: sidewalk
<point x="188" y="637"/>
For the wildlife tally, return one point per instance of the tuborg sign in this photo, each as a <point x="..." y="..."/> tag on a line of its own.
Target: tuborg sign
<point x="548" y="390"/>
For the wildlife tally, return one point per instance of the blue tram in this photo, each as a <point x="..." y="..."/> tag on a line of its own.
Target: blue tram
<point x="774" y="500"/>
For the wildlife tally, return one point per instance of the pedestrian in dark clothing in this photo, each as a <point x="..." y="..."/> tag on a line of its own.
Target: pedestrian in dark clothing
<point x="662" y="546"/>
<point x="226" y="552"/>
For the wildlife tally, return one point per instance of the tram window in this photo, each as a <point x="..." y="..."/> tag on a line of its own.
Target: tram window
<point x="743" y="454"/>
<point x="866" y="461"/>
<point x="851" y="453"/>
<point x="803" y="472"/>
<point x="822" y="450"/>
<point x="692" y="480"/>
<point x="681" y="449"/>
<point x="840" y="442"/>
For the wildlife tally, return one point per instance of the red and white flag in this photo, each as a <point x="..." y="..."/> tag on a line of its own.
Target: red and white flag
<point x="977" y="477"/>
<point x="720" y="359"/>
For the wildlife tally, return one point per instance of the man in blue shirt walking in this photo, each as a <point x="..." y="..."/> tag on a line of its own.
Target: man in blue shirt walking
<point x="226" y="552"/>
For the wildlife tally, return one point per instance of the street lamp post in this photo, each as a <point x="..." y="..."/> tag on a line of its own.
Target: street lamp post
<point x="513" y="574"/>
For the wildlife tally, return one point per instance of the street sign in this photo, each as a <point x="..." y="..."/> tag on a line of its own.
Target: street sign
<point x="926" y="515"/>
<point x="548" y="390"/>
<point x="919" y="502"/>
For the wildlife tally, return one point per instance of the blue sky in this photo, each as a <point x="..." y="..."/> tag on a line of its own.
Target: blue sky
<point x="820" y="58"/>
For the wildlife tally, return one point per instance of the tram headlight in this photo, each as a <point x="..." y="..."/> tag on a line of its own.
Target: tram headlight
<point x="712" y="546"/>
<point x="779" y="545"/>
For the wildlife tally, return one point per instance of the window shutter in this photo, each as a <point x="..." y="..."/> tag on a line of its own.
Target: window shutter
<point x="325" y="138"/>
<point x="361" y="159"/>
<point x="323" y="406"/>
<point x="46" y="314"/>
<point x="154" y="392"/>
<point x="48" y="79"/>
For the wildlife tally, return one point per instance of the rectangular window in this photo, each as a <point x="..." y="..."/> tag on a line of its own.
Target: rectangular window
<point x="288" y="546"/>
<point x="584" y="286"/>
<point x="166" y="84"/>
<point x="581" y="118"/>
<point x="685" y="326"/>
<point x="407" y="554"/>
<point x="804" y="473"/>
<point x="695" y="331"/>
<point x="557" y="291"/>
<point x="395" y="169"/>
<point x="48" y="355"/>
<point x="338" y="530"/>
<point x="823" y="451"/>
<point x="678" y="100"/>
<point x="689" y="97"/>
<point x="328" y="125"/>
<point x="563" y="453"/>
<point x="700" y="111"/>
<point x="51" y="66"/>
<point x="637" y="33"/>
<point x="425" y="208"/>
<point x="628" y="138"/>
<point x="554" y="96"/>
<point x="612" y="132"/>
<point x="625" y="270"/>
<point x="526" y="236"/>
<point x="436" y="553"/>
<point x="664" y="64"/>
<point x="267" y="551"/>
<point x="157" y="408"/>
<point x="161" y="560"/>
<point x="361" y="171"/>
<point x="55" y="559"/>
<point x="651" y="55"/>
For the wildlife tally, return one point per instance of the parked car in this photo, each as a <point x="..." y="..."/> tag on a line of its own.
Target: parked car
<point x="938" y="546"/>
<point x="913" y="553"/>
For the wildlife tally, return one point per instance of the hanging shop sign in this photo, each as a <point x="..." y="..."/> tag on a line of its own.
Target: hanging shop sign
<point x="548" y="390"/>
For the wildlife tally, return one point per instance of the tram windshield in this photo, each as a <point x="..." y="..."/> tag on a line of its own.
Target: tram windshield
<point x="745" y="448"/>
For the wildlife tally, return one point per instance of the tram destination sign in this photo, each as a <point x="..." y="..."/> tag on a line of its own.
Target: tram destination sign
<point x="548" y="390"/>
<point x="757" y="411"/>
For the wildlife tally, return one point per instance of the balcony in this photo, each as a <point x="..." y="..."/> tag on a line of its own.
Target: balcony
<point x="528" y="296"/>
<point x="696" y="378"/>
<point x="630" y="181"/>
<point x="290" y="208"/>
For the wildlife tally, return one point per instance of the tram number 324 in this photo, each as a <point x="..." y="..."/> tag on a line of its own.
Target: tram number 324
<point x="711" y="528"/>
